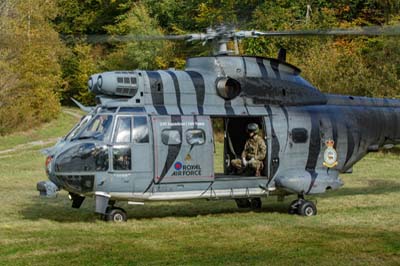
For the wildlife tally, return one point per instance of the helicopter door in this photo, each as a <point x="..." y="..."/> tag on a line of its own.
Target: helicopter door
<point x="183" y="149"/>
<point x="131" y="154"/>
<point x="121" y="159"/>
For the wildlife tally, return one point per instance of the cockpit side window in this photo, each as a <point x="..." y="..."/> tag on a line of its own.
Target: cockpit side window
<point x="78" y="127"/>
<point x="123" y="130"/>
<point x="98" y="127"/>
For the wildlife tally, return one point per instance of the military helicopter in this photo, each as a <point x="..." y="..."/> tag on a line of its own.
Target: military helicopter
<point x="150" y="137"/>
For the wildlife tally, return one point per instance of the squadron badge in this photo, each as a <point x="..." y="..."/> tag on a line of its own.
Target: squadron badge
<point x="330" y="154"/>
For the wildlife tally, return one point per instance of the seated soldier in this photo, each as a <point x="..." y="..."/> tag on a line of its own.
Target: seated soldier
<point x="253" y="154"/>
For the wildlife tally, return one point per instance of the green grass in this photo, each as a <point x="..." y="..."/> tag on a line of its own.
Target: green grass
<point x="356" y="225"/>
<point x="53" y="129"/>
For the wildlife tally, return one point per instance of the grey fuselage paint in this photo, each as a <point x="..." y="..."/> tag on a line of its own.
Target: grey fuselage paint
<point x="271" y="90"/>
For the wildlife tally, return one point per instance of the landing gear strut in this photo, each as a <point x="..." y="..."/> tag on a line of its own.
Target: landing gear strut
<point x="302" y="207"/>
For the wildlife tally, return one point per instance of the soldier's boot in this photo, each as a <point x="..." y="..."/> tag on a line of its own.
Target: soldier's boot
<point x="258" y="169"/>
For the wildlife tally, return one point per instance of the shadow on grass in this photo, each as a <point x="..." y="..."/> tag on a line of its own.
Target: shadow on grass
<point x="59" y="211"/>
<point x="56" y="210"/>
<point x="395" y="150"/>
<point x="375" y="187"/>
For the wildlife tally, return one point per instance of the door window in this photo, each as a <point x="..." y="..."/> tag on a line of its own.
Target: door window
<point x="122" y="158"/>
<point x="140" y="131"/>
<point x="123" y="130"/>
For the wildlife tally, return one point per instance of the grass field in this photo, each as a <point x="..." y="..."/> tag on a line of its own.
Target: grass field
<point x="356" y="225"/>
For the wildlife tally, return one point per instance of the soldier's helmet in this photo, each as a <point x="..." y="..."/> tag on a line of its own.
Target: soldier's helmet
<point x="252" y="127"/>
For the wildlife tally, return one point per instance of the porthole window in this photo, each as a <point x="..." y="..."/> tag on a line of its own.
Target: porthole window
<point x="171" y="137"/>
<point x="195" y="137"/>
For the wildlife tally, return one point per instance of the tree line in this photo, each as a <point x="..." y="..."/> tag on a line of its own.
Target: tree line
<point x="42" y="67"/>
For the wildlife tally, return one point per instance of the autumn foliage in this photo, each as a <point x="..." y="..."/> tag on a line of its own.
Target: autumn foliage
<point x="41" y="69"/>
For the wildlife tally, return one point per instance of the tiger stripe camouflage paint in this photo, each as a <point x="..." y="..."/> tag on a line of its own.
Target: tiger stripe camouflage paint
<point x="272" y="91"/>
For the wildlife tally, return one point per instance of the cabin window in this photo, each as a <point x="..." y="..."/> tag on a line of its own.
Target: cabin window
<point x="195" y="137"/>
<point x="122" y="158"/>
<point x="299" y="135"/>
<point x="141" y="130"/>
<point x="123" y="130"/>
<point x="171" y="137"/>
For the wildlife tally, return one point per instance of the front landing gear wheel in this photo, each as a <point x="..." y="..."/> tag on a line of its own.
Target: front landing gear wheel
<point x="307" y="208"/>
<point x="117" y="215"/>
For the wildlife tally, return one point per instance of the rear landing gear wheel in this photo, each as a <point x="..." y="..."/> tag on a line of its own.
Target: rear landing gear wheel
<point x="255" y="203"/>
<point x="117" y="215"/>
<point x="307" y="208"/>
<point x="243" y="203"/>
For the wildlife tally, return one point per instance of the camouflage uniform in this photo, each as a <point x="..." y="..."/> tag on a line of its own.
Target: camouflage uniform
<point x="254" y="148"/>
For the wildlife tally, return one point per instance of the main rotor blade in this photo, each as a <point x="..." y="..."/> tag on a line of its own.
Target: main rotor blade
<point x="361" y="31"/>
<point x="105" y="38"/>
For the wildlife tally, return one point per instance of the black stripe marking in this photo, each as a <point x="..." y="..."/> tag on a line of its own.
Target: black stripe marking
<point x="350" y="144"/>
<point x="244" y="66"/>
<point x="195" y="127"/>
<point x="198" y="82"/>
<point x="173" y="150"/>
<point x="228" y="108"/>
<point x="285" y="112"/>
<point x="332" y="117"/>
<point x="177" y="90"/>
<point x="275" y="147"/>
<point x="149" y="186"/>
<point x="314" y="149"/>
<point x="275" y="68"/>
<point x="263" y="69"/>
<point x="157" y="91"/>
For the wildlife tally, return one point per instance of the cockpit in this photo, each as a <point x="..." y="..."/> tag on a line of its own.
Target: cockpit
<point x="102" y="141"/>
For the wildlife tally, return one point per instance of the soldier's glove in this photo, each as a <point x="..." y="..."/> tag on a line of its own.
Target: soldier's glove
<point x="244" y="161"/>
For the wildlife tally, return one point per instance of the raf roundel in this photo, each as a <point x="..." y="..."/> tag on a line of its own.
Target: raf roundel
<point x="178" y="166"/>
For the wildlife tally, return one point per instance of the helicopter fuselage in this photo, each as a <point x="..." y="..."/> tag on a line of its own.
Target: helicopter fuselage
<point x="151" y="137"/>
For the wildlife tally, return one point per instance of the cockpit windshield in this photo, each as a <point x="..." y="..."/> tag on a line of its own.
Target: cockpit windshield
<point x="97" y="128"/>
<point x="77" y="128"/>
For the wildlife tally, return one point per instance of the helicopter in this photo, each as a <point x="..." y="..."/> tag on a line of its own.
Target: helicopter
<point x="151" y="137"/>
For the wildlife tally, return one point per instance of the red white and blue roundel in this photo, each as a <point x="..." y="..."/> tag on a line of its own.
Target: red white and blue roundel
<point x="178" y="166"/>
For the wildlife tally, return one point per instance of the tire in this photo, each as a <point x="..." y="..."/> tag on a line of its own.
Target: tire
<point x="255" y="203"/>
<point x="307" y="208"/>
<point x="117" y="215"/>
<point x="243" y="203"/>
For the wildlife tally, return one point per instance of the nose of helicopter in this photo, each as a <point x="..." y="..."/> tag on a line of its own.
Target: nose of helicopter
<point x="49" y="187"/>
